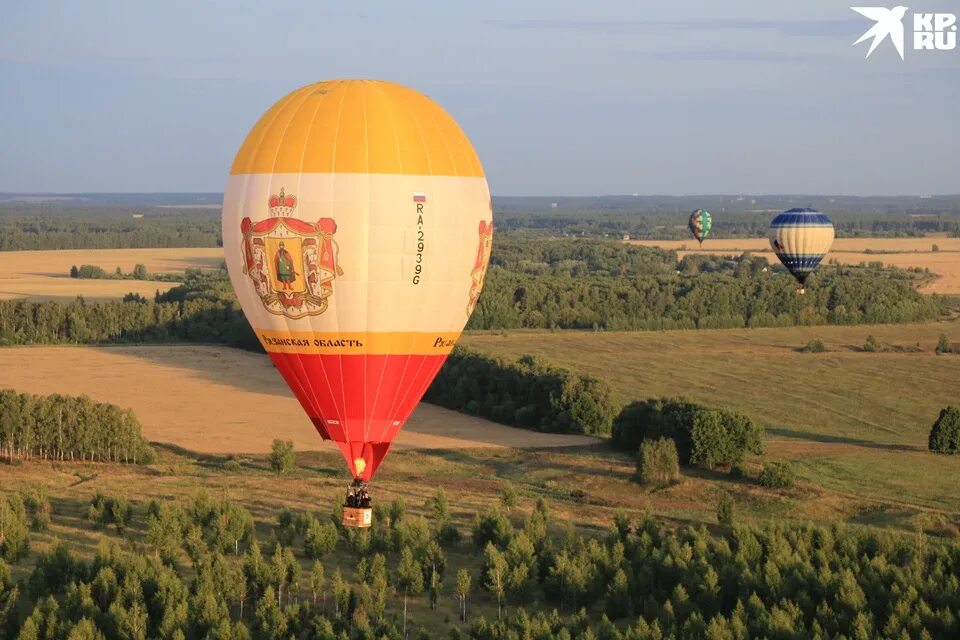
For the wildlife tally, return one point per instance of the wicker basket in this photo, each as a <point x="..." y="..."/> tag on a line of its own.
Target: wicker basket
<point x="357" y="517"/>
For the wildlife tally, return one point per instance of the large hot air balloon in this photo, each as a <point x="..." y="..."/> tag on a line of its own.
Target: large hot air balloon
<point x="700" y="224"/>
<point x="357" y="227"/>
<point x="801" y="238"/>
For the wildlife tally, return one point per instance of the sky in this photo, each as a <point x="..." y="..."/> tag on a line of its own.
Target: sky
<point x="558" y="97"/>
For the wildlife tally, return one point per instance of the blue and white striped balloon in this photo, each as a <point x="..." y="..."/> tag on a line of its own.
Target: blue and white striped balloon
<point x="801" y="238"/>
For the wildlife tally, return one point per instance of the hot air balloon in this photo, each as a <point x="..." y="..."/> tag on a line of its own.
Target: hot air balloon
<point x="801" y="238"/>
<point x="700" y="224"/>
<point x="357" y="227"/>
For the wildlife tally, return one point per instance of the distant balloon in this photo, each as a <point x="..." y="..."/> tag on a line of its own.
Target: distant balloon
<point x="357" y="227"/>
<point x="801" y="238"/>
<point x="700" y="224"/>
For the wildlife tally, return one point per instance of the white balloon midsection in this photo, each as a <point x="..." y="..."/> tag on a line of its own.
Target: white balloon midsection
<point x="356" y="254"/>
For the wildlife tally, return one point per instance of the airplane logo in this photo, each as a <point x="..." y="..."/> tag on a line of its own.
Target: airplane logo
<point x="889" y="22"/>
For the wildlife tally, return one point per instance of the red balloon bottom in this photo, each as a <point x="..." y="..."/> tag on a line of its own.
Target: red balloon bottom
<point x="359" y="401"/>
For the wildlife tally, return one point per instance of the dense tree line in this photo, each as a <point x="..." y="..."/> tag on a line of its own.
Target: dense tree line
<point x="526" y="393"/>
<point x="96" y="272"/>
<point x="32" y="227"/>
<point x="704" y="437"/>
<point x="114" y="226"/>
<point x="57" y="427"/>
<point x="639" y="581"/>
<point x="531" y="283"/>
<point x="202" y="310"/>
<point x="568" y="284"/>
<point x="665" y="217"/>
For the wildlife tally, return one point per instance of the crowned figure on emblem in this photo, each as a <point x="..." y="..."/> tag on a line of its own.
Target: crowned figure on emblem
<point x="285" y="268"/>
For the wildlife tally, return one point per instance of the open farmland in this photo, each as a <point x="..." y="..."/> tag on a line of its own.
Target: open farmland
<point x="45" y="274"/>
<point x="899" y="252"/>
<point x="218" y="400"/>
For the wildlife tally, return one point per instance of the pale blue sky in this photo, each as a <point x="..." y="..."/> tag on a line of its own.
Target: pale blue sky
<point x="559" y="97"/>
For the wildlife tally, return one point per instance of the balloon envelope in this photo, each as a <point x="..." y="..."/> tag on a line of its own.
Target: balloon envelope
<point x="700" y="224"/>
<point x="801" y="238"/>
<point x="357" y="227"/>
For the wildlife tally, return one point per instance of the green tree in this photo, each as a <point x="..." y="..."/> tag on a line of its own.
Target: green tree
<point x="492" y="526"/>
<point x="409" y="579"/>
<point x="282" y="457"/>
<point x="945" y="433"/>
<point x="318" y="581"/>
<point x="725" y="509"/>
<point x="320" y="539"/>
<point x="508" y="495"/>
<point x="14" y="530"/>
<point x="658" y="462"/>
<point x="495" y="571"/>
<point x="463" y="591"/>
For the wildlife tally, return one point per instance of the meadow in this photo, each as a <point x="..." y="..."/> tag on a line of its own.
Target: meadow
<point x="905" y="253"/>
<point x="853" y="422"/>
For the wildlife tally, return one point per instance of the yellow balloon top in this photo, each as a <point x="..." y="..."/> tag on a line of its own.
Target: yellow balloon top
<point x="357" y="126"/>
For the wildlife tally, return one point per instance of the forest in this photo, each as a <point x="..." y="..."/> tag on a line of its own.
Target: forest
<point x="545" y="284"/>
<point x="120" y="221"/>
<point x="32" y="227"/>
<point x="57" y="427"/>
<point x="602" y="285"/>
<point x="201" y="568"/>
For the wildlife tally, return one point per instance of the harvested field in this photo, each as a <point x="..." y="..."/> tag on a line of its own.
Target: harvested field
<point x="219" y="400"/>
<point x="45" y="274"/>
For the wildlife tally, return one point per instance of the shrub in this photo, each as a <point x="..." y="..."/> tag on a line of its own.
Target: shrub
<point x="725" y="509"/>
<point x="107" y="510"/>
<point x="232" y="465"/>
<point x="38" y="506"/>
<point x="945" y="433"/>
<point x="282" y="457"/>
<point x="814" y="346"/>
<point x="658" y="462"/>
<point x="872" y="345"/>
<point x="739" y="471"/>
<point x="943" y="345"/>
<point x="508" y="495"/>
<point x="776" y="475"/>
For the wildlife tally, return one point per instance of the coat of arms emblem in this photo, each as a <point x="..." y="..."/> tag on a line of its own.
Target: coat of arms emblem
<point x="291" y="263"/>
<point x="479" y="271"/>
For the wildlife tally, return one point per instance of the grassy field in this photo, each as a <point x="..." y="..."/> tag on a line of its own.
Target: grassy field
<point x="899" y="252"/>
<point x="854" y="422"/>
<point x="45" y="274"/>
